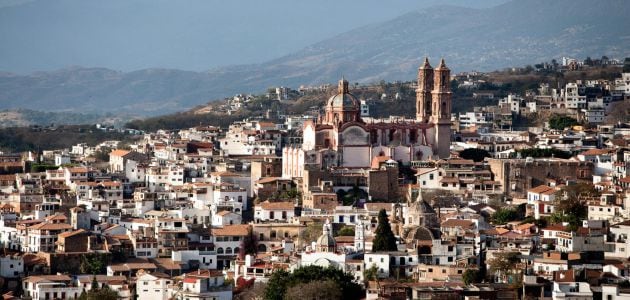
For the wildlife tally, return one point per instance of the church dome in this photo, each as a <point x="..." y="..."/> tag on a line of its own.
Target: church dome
<point x="422" y="233"/>
<point x="422" y="207"/>
<point x="326" y="242"/>
<point x="343" y="99"/>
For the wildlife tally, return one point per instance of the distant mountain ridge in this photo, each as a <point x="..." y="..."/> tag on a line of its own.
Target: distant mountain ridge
<point x="516" y="33"/>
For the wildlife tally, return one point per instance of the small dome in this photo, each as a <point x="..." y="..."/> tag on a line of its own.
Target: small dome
<point x="422" y="234"/>
<point x="422" y="207"/>
<point x="326" y="240"/>
<point x="343" y="99"/>
<point x="346" y="101"/>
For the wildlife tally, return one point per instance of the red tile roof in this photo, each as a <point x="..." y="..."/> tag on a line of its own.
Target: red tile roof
<point x="276" y="205"/>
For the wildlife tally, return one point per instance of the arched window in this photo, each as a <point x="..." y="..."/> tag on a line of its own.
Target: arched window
<point x="228" y="250"/>
<point x="273" y="234"/>
<point x="219" y="250"/>
<point x="262" y="248"/>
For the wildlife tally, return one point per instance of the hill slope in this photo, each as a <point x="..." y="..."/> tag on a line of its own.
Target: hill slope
<point x="515" y="33"/>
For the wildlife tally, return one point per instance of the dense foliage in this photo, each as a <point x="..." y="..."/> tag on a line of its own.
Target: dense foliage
<point x="472" y="276"/>
<point x="104" y="293"/>
<point x="249" y="244"/>
<point x="346" y="231"/>
<point x="384" y="239"/>
<point x="282" y="281"/>
<point x="185" y="120"/>
<point x="549" y="152"/>
<point x="94" y="263"/>
<point x="560" y="122"/>
<point x="504" y="215"/>
<point x="503" y="262"/>
<point x="17" y="139"/>
<point x="327" y="289"/>
<point x="570" y="206"/>
<point x="475" y="154"/>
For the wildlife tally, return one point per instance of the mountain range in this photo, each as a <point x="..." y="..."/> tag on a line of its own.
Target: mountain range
<point x="515" y="33"/>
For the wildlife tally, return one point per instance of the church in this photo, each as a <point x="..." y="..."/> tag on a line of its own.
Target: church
<point x="341" y="138"/>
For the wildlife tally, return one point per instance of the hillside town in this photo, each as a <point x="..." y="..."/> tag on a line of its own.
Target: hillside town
<point x="442" y="205"/>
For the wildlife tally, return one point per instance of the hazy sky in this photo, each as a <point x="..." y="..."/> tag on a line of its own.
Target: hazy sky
<point x="187" y="34"/>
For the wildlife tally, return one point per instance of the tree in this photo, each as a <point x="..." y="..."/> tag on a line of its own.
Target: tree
<point x="311" y="233"/>
<point x="370" y="273"/>
<point x="281" y="281"/>
<point x="249" y="244"/>
<point x="94" y="263"/>
<point x="504" y="215"/>
<point x="326" y="289"/>
<point x="569" y="204"/>
<point x="346" y="231"/>
<point x="102" y="155"/>
<point x="475" y="154"/>
<point x="471" y="276"/>
<point x="94" y="283"/>
<point x="103" y="293"/>
<point x="548" y="152"/>
<point x="503" y="262"/>
<point x="561" y="122"/>
<point x="254" y="292"/>
<point x="384" y="240"/>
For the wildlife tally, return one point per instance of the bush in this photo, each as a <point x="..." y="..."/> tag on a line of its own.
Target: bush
<point x="346" y="231"/>
<point x="561" y="122"/>
<point x="538" y="152"/>
<point x="282" y="282"/>
<point x="475" y="154"/>
<point x="505" y="215"/>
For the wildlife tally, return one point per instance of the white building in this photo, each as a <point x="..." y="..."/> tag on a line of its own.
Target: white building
<point x="226" y="217"/>
<point x="572" y="291"/>
<point x="202" y="284"/>
<point x="11" y="266"/>
<point x="46" y="287"/>
<point x="274" y="211"/>
<point x="206" y="260"/>
<point x="153" y="286"/>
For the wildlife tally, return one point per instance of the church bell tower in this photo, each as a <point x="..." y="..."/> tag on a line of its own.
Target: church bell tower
<point x="441" y="109"/>
<point x="423" y="92"/>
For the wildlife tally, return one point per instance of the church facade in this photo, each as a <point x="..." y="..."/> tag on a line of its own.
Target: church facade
<point x="341" y="138"/>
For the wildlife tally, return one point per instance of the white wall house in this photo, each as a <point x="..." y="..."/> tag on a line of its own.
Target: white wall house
<point x="153" y="286"/>
<point x="274" y="211"/>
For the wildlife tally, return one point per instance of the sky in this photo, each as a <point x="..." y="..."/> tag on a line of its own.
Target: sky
<point x="195" y="35"/>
